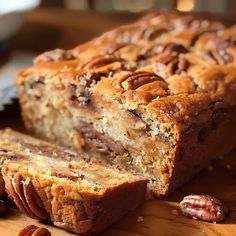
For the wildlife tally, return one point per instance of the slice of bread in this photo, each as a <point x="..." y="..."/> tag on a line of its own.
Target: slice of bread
<point x="72" y="190"/>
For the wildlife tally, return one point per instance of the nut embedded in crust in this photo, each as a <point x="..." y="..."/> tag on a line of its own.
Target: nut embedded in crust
<point x="219" y="50"/>
<point x="167" y="65"/>
<point x="25" y="197"/>
<point x="135" y="80"/>
<point x="100" y="61"/>
<point x="203" y="207"/>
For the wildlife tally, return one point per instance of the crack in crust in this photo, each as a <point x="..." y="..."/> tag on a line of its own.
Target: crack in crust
<point x="32" y="230"/>
<point x="174" y="47"/>
<point x="160" y="50"/>
<point x="80" y="97"/>
<point x="219" y="53"/>
<point x="25" y="197"/>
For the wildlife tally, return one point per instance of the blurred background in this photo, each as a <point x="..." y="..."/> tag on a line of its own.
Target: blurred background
<point x="65" y="23"/>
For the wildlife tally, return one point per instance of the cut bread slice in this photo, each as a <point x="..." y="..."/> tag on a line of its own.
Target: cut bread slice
<point x="74" y="191"/>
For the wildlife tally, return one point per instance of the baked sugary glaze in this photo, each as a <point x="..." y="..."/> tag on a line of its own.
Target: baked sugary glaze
<point x="73" y="191"/>
<point x="157" y="96"/>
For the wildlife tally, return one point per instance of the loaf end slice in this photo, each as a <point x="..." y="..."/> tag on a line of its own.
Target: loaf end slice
<point x="73" y="191"/>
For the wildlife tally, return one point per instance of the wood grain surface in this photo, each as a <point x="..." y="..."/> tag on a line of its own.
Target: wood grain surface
<point x="50" y="28"/>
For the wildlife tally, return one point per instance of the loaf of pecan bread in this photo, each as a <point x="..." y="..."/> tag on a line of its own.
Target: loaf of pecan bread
<point x="157" y="96"/>
<point x="76" y="193"/>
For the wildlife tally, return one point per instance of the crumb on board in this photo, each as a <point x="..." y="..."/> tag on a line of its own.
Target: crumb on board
<point x="140" y="219"/>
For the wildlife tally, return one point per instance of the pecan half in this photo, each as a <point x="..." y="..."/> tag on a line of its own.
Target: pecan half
<point x="115" y="47"/>
<point x="54" y="55"/>
<point x="218" y="53"/>
<point x="100" y="61"/>
<point x="174" y="47"/>
<point x="25" y="197"/>
<point x="163" y="50"/>
<point x="168" y="65"/>
<point x="136" y="80"/>
<point x="90" y="79"/>
<point x="222" y="57"/>
<point x="32" y="230"/>
<point x="203" y="207"/>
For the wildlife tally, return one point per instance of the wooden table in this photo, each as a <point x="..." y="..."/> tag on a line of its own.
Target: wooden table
<point x="158" y="217"/>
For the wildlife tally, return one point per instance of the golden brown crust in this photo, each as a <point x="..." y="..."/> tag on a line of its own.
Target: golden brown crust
<point x="143" y="86"/>
<point x="184" y="67"/>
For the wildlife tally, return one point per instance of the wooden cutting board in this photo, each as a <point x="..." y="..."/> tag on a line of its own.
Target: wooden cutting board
<point x="158" y="216"/>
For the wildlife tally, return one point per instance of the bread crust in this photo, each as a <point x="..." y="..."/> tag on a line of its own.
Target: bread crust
<point x="143" y="86"/>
